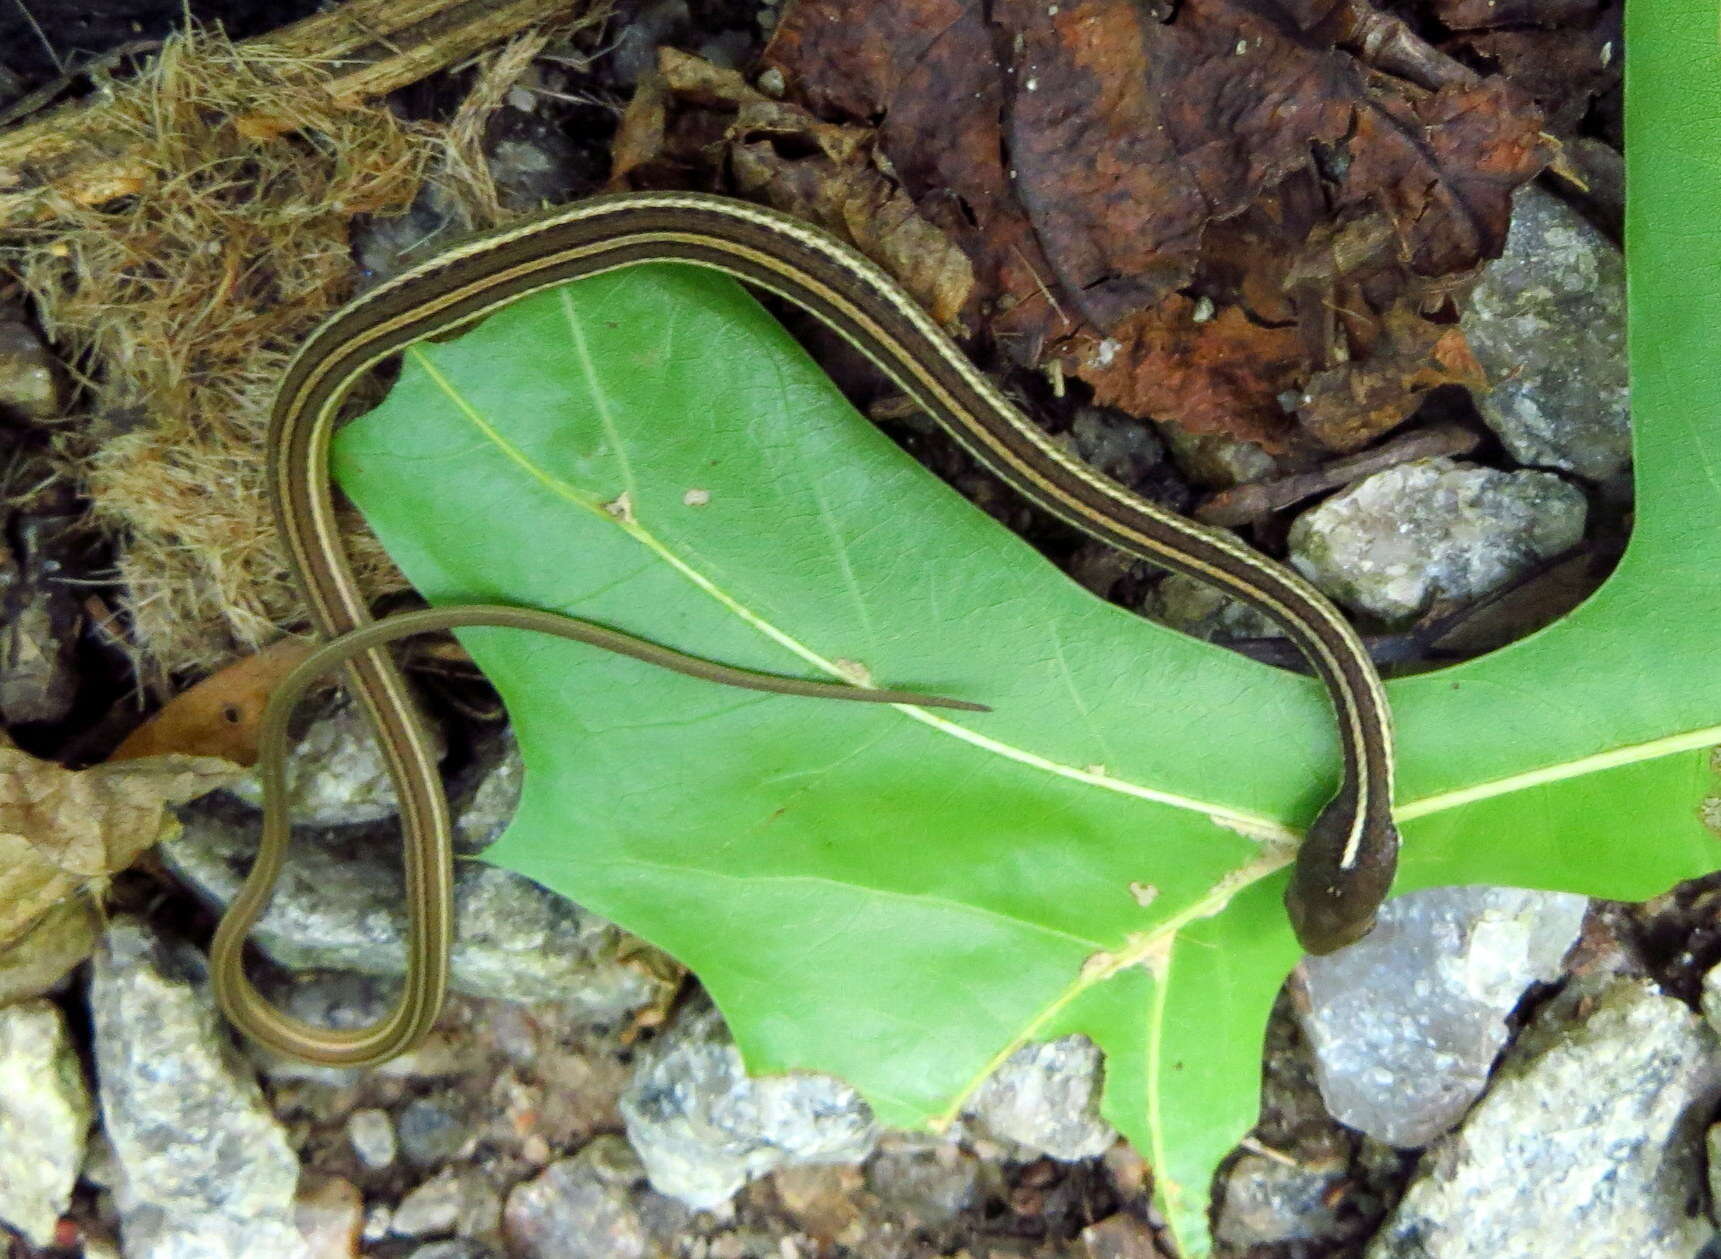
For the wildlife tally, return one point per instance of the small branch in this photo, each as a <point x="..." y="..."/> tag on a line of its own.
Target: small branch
<point x="369" y="47"/>
<point x="1245" y="503"/>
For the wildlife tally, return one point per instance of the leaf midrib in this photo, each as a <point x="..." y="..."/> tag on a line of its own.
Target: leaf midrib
<point x="1255" y="825"/>
<point x="1247" y="822"/>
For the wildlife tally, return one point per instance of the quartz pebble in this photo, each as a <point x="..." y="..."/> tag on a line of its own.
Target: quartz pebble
<point x="577" y="1206"/>
<point x="201" y="1166"/>
<point x="371" y="1133"/>
<point x="44" y="1116"/>
<point x="1046" y="1098"/>
<point x="703" y="1128"/>
<point x="1586" y="1145"/>
<point x="1406" y="1023"/>
<point x="1433" y="529"/>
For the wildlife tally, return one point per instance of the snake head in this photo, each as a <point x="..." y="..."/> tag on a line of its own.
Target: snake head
<point x="1331" y="905"/>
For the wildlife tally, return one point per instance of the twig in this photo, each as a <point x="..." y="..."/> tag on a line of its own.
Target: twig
<point x="44" y="96"/>
<point x="1245" y="503"/>
<point x="1387" y="43"/>
<point x="42" y="35"/>
<point x="1420" y="643"/>
<point x="370" y="47"/>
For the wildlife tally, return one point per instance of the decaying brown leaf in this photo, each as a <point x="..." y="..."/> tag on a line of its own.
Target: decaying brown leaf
<point x="783" y="155"/>
<point x="63" y="830"/>
<point x="1345" y="405"/>
<point x="1564" y="53"/>
<point x="1218" y="374"/>
<point x="220" y="715"/>
<point x="1115" y="172"/>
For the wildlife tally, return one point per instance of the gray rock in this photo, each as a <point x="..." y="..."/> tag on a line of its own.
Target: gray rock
<point x="703" y="1128"/>
<point x="578" y="1206"/>
<point x="371" y="1133"/>
<point x="388" y="244"/>
<point x="933" y="1181"/>
<point x="44" y="1118"/>
<point x="44" y="545"/>
<point x="336" y="775"/>
<point x="1213" y="459"/>
<point x="1274" y="1191"/>
<point x="1119" y="1236"/>
<point x="732" y="49"/>
<point x="453" y="1248"/>
<point x="654" y="23"/>
<point x="1267" y="1202"/>
<point x="1586" y="1145"/>
<point x="1547" y="323"/>
<point x="1406" y="1023"/>
<point x="339" y="905"/>
<point x="430" y="1133"/>
<point x="535" y="169"/>
<point x="480" y="821"/>
<point x="451" y="1202"/>
<point x="30" y="376"/>
<point x="1121" y="446"/>
<point x="1714" y="1146"/>
<point x="1200" y="611"/>
<point x="203" y="1170"/>
<point x="1711" y="999"/>
<point x="378" y="1217"/>
<point x="1433" y="529"/>
<point x="1046" y="1098"/>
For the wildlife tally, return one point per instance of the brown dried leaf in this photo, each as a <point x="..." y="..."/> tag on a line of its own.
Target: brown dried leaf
<point x="847" y="194"/>
<point x="62" y="830"/>
<point x="1445" y="166"/>
<point x="927" y="72"/>
<point x="783" y="155"/>
<point x="1345" y="406"/>
<point x="1211" y="375"/>
<point x="220" y="715"/>
<point x="640" y="136"/>
<point x="1473" y="15"/>
<point x="1126" y="136"/>
<point x="1565" y="63"/>
<point x="1096" y="159"/>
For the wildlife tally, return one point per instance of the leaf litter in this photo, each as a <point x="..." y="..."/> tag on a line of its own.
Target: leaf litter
<point x="1154" y="205"/>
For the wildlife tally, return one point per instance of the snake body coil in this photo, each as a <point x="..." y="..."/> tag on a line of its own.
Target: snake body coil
<point x="1345" y="866"/>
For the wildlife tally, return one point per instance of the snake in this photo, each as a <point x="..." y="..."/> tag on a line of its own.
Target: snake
<point x="1348" y="855"/>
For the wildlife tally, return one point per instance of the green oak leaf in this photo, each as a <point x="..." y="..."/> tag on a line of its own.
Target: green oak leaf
<point x="902" y="897"/>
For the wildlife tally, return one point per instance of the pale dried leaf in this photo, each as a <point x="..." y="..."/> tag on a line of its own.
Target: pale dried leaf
<point x="59" y="940"/>
<point x="61" y="829"/>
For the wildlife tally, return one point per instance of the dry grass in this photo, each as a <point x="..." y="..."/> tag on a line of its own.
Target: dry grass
<point x="180" y="306"/>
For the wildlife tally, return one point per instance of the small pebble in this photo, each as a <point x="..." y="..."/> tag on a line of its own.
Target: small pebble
<point x="1433" y="529"/>
<point x="371" y="1133"/>
<point x="429" y="1135"/>
<point x="1547" y="322"/>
